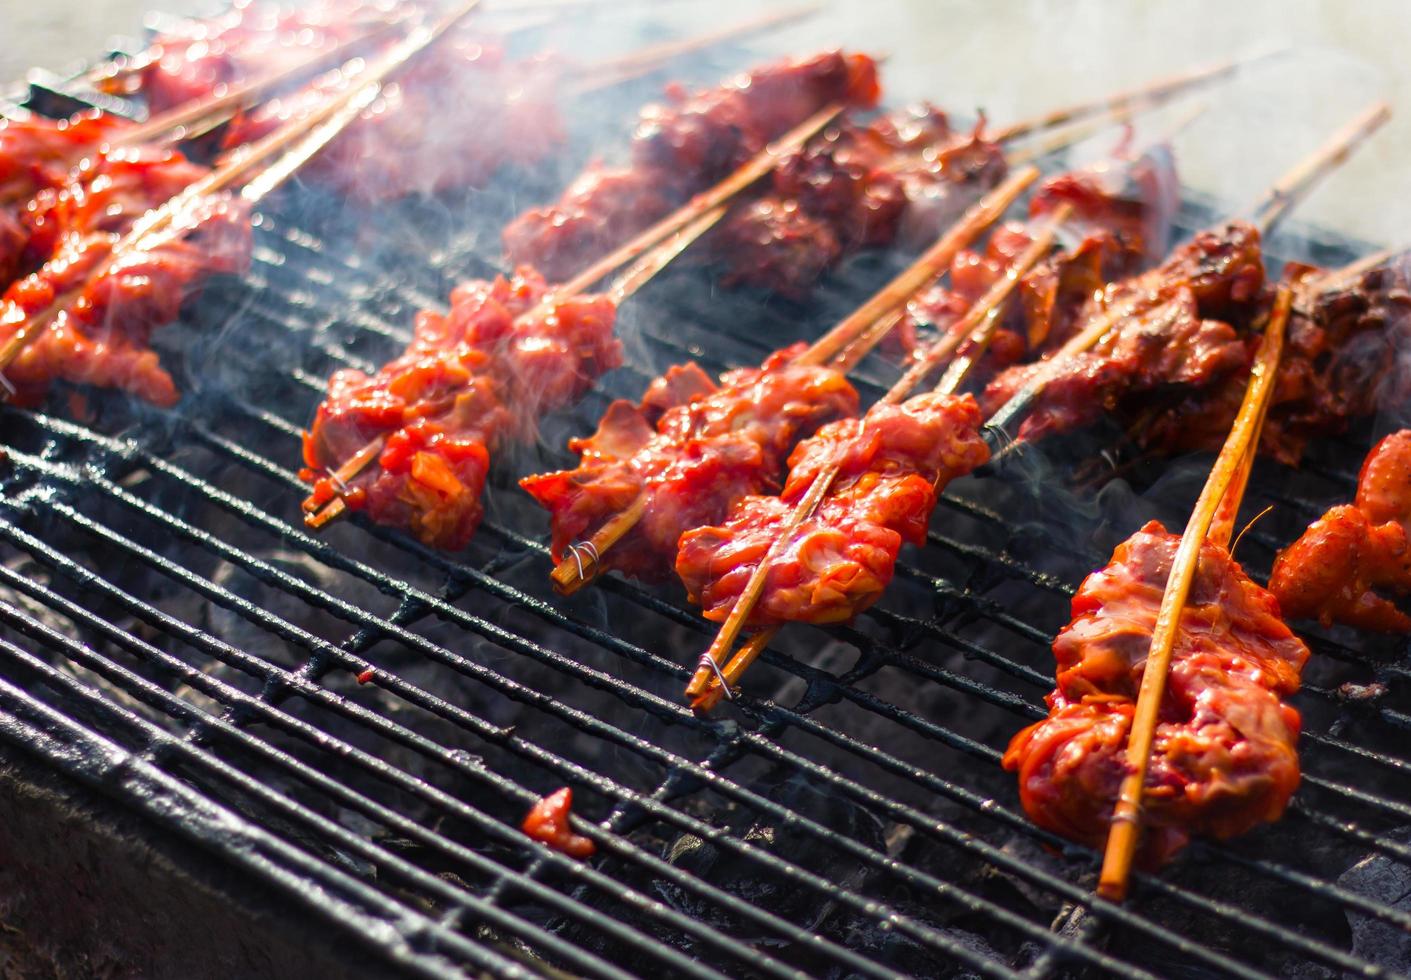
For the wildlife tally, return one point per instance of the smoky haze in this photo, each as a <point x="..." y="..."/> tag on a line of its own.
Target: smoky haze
<point x="1020" y="57"/>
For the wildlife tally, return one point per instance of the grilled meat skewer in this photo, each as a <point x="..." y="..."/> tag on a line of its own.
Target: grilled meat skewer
<point x="1342" y="568"/>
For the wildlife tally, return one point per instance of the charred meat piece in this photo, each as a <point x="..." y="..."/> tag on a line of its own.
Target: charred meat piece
<point x="690" y="449"/>
<point x="1343" y="360"/>
<point x="680" y="147"/>
<point x="470" y="381"/>
<point x="1225" y="755"/>
<point x="1340" y="568"/>
<point x="1185" y="327"/>
<point x="838" y="562"/>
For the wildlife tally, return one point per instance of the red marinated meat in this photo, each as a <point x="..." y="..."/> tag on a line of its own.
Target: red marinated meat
<point x="1120" y="223"/>
<point x="109" y="304"/>
<point x="1342" y="361"/>
<point x="470" y="381"/>
<point x="690" y="449"/>
<point x="37" y="157"/>
<point x="1344" y="567"/>
<point x="1185" y="328"/>
<point x="1225" y="756"/>
<point x="547" y="823"/>
<point x="249" y="40"/>
<point x="680" y="147"/>
<point x="838" y="562"/>
<point x="709" y="133"/>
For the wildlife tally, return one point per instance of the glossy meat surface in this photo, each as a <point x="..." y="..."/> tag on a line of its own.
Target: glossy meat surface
<point x="840" y="560"/>
<point x="37" y="158"/>
<point x="249" y="40"/>
<point x="1121" y="221"/>
<point x="853" y="188"/>
<point x="1225" y="757"/>
<point x="1185" y="327"/>
<point x="690" y="449"/>
<point x="1343" y="360"/>
<point x="470" y="381"/>
<point x="1348" y="563"/>
<point x="682" y="146"/>
<point x="110" y="304"/>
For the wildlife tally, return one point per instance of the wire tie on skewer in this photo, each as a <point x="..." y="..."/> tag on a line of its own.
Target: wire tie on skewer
<point x="708" y="662"/>
<point x="592" y="551"/>
<point x="338" y="482"/>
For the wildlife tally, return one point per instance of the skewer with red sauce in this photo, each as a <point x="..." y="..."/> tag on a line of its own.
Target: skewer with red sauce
<point x="1344" y="567"/>
<point x="449" y="121"/>
<point x="1225" y="755"/>
<point x="37" y="156"/>
<point x="682" y="146"/>
<point x="1121" y="224"/>
<point x="1342" y="361"/>
<point x="688" y="450"/>
<point x="905" y="176"/>
<point x="471" y="381"/>
<point x="100" y="336"/>
<point x="839" y="561"/>
<point x="1184" y="327"/>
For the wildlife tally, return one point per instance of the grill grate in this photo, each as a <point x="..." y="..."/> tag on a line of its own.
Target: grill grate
<point x="171" y="635"/>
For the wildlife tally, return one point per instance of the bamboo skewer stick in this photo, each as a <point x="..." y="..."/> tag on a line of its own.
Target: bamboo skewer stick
<point x="632" y="279"/>
<point x="849" y="341"/>
<point x="310" y="129"/>
<point x="1285" y="193"/>
<point x="1151" y="94"/>
<point x="173" y="123"/>
<point x="977" y="326"/>
<point x="1288" y="190"/>
<point x="1126" y="819"/>
<point x="634" y="64"/>
<point x="753" y="169"/>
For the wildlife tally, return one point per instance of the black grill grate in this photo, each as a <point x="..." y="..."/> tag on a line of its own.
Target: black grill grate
<point x="171" y="635"/>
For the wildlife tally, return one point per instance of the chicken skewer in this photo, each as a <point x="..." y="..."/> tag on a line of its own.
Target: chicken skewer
<point x="468" y="384"/>
<point x="1209" y="264"/>
<point x="322" y="508"/>
<point x="76" y="292"/>
<point x="947" y="439"/>
<point x="577" y="564"/>
<point x="1199" y="536"/>
<point x="224" y="39"/>
<point x="903" y="177"/>
<point x="428" y="137"/>
<point x="1343" y="567"/>
<point x="685" y="435"/>
<point x="1148" y="354"/>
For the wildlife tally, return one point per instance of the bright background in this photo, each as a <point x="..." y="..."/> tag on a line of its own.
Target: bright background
<point x="1016" y="56"/>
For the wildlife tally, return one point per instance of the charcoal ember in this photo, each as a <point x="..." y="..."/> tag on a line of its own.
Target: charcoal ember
<point x="1387" y="882"/>
<point x="902" y="953"/>
<point x="754" y="882"/>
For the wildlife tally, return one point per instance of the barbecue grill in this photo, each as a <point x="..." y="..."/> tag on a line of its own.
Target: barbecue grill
<point x="324" y="746"/>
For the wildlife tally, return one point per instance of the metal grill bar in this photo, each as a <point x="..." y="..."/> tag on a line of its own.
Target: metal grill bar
<point x="306" y="291"/>
<point x="938" y="887"/>
<point x="1018" y="820"/>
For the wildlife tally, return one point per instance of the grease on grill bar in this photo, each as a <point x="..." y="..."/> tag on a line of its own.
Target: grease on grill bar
<point x="169" y="633"/>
